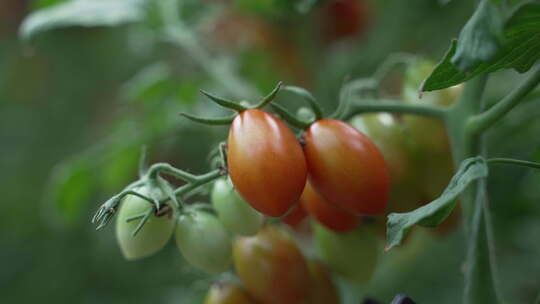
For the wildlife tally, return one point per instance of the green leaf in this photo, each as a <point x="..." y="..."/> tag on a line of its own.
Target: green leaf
<point x="520" y="50"/>
<point x="434" y="213"/>
<point x="480" y="39"/>
<point x="86" y="13"/>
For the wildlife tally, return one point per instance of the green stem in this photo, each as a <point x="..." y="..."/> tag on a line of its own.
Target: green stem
<point x="517" y="162"/>
<point x="198" y="181"/>
<point x="268" y="98"/>
<point x="355" y="109"/>
<point x="215" y="121"/>
<point x="483" y="121"/>
<point x="228" y="104"/>
<point x="288" y="117"/>
<point x="155" y="169"/>
<point x="308" y="97"/>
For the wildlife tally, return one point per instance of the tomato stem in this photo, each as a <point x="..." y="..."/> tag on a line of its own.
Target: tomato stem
<point x="483" y="121"/>
<point x="309" y="98"/>
<point x="218" y="121"/>
<point x="355" y="109"/>
<point x="512" y="161"/>
<point x="228" y="104"/>
<point x="288" y="117"/>
<point x="268" y="98"/>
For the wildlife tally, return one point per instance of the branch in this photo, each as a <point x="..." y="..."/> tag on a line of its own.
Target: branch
<point x="517" y="162"/>
<point x="355" y="109"/>
<point x="488" y="118"/>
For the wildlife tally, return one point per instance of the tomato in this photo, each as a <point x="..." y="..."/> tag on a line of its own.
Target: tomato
<point x="153" y="236"/>
<point x="266" y="162"/>
<point x="295" y="216"/>
<point x="233" y="211"/>
<point x="394" y="140"/>
<point x="352" y="255"/>
<point x="327" y="214"/>
<point x="346" y="168"/>
<point x="227" y="293"/>
<point x="432" y="155"/>
<point x="323" y="290"/>
<point x="203" y="241"/>
<point x="272" y="267"/>
<point x="344" y="19"/>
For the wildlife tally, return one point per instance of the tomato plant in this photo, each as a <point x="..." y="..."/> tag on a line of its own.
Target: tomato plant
<point x="272" y="267"/>
<point x="203" y="241"/>
<point x="346" y="168"/>
<point x="158" y="229"/>
<point x="233" y="211"/>
<point x="325" y="213"/>
<point x="266" y="162"/>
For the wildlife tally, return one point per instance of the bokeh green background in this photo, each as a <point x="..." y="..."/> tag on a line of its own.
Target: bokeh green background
<point x="76" y="105"/>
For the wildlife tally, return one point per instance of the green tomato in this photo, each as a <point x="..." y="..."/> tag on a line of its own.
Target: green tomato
<point x="353" y="255"/>
<point x="393" y="140"/>
<point x="153" y="236"/>
<point x="203" y="241"/>
<point x="233" y="211"/>
<point x="431" y="144"/>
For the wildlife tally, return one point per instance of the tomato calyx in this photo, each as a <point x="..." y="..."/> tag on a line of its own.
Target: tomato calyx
<point x="237" y="106"/>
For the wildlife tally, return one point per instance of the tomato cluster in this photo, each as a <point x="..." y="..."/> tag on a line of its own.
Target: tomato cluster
<point x="272" y="269"/>
<point x="269" y="168"/>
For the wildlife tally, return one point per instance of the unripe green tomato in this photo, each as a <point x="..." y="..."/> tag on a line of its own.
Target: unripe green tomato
<point x="393" y="140"/>
<point x="233" y="211"/>
<point x="228" y="293"/>
<point x="305" y="114"/>
<point x="203" y="241"/>
<point x="431" y="144"/>
<point x="153" y="236"/>
<point x="353" y="255"/>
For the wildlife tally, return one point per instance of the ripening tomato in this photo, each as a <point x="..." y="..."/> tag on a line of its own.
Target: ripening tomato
<point x="153" y="236"/>
<point x="203" y="241"/>
<point x="323" y="290"/>
<point x="227" y="293"/>
<point x="233" y="211"/>
<point x="272" y="267"/>
<point x="346" y="168"/>
<point x="325" y="213"/>
<point x="394" y="141"/>
<point x="431" y="143"/>
<point x="266" y="162"/>
<point x="352" y="255"/>
<point x="344" y="19"/>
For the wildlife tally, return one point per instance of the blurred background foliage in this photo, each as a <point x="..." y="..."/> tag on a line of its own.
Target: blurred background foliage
<point x="79" y="98"/>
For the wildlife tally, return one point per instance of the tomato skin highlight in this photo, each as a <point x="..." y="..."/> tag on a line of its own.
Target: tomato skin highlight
<point x="346" y="167"/>
<point x="266" y="162"/>
<point x="227" y="293"/>
<point x="330" y="216"/>
<point x="153" y="236"/>
<point x="272" y="267"/>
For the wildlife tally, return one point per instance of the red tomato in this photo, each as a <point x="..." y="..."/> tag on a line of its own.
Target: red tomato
<point x="295" y="216"/>
<point x="266" y="162"/>
<point x="330" y="216"/>
<point x="344" y="19"/>
<point x="346" y="168"/>
<point x="272" y="267"/>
